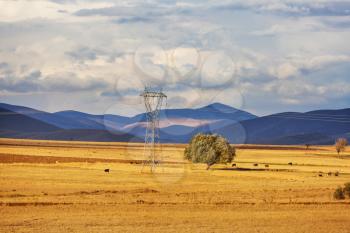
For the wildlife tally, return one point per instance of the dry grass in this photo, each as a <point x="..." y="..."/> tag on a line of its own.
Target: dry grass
<point x="74" y="194"/>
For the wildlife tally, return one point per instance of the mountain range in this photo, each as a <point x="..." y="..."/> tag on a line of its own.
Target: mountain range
<point x="178" y="125"/>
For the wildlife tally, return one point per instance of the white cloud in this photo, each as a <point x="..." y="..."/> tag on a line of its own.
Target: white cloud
<point x="295" y="66"/>
<point x="12" y="11"/>
<point x="285" y="70"/>
<point x="193" y="47"/>
<point x="283" y="7"/>
<point x="291" y="26"/>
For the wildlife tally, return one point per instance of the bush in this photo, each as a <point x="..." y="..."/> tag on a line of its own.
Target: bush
<point x="339" y="194"/>
<point x="209" y="149"/>
<point x="347" y="189"/>
<point x="340" y="145"/>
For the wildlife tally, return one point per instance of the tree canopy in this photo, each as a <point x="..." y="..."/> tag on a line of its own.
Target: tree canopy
<point x="209" y="149"/>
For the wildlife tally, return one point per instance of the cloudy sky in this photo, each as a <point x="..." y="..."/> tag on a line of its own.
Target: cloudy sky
<point x="263" y="56"/>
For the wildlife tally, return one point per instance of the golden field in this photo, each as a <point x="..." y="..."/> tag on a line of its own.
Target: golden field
<point x="48" y="186"/>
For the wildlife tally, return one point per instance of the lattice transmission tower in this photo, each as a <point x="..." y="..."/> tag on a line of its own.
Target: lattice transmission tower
<point x="154" y="101"/>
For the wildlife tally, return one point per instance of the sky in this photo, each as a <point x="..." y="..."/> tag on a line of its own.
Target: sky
<point x="96" y="56"/>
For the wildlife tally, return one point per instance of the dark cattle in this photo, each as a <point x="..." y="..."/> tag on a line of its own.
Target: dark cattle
<point x="107" y="170"/>
<point x="320" y="175"/>
<point x="329" y="173"/>
<point x="255" y="164"/>
<point x="234" y="165"/>
<point x="290" y="163"/>
<point x="336" y="173"/>
<point x="266" y="165"/>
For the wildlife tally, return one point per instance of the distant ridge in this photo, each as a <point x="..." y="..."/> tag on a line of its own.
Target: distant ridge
<point x="315" y="127"/>
<point x="178" y="125"/>
<point x="50" y="118"/>
<point x="220" y="107"/>
<point x="11" y="121"/>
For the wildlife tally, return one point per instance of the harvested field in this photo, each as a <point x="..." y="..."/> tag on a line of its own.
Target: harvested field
<point x="48" y="186"/>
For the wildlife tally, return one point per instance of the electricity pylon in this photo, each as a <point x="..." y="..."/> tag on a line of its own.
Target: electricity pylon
<point x="154" y="101"/>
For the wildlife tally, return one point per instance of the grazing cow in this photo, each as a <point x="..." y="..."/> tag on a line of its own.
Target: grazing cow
<point x="255" y="164"/>
<point x="234" y="165"/>
<point x="336" y="173"/>
<point x="320" y="174"/>
<point x="266" y="165"/>
<point x="329" y="173"/>
<point x="107" y="170"/>
<point x="290" y="163"/>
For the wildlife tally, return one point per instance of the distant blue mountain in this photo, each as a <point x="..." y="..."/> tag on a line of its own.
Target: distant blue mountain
<point x="213" y="116"/>
<point x="214" y="111"/>
<point x="13" y="122"/>
<point x="32" y="124"/>
<point x="53" y="119"/>
<point x="84" y="120"/>
<point x="315" y="127"/>
<point x="178" y="125"/>
<point x="96" y="118"/>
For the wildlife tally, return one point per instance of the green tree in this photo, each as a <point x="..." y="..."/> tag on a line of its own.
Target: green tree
<point x="209" y="149"/>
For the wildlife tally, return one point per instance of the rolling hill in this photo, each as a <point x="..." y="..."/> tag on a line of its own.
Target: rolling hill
<point x="178" y="125"/>
<point x="315" y="127"/>
<point x="52" y="119"/>
<point x="32" y="124"/>
<point x="12" y="122"/>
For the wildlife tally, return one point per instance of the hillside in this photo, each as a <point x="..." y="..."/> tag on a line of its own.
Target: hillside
<point x="15" y="122"/>
<point x="52" y="119"/>
<point x="179" y="125"/>
<point x="315" y="127"/>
